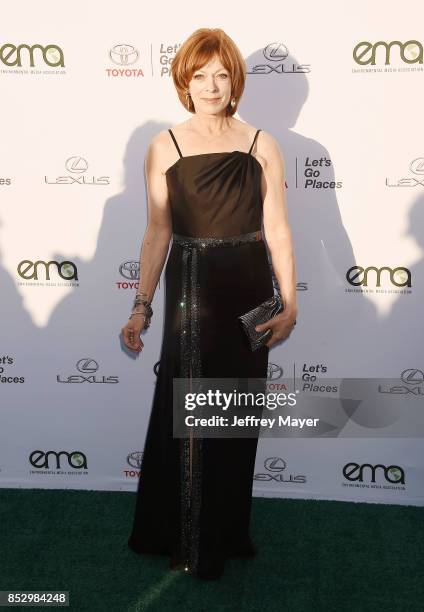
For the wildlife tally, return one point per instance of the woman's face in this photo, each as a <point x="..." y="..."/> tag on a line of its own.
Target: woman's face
<point x="210" y="88"/>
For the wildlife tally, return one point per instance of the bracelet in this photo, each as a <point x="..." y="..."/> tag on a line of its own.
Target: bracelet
<point x="135" y="313"/>
<point x="138" y="302"/>
<point x="146" y="320"/>
<point x="148" y="310"/>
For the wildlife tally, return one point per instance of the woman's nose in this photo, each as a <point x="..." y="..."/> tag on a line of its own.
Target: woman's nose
<point x="211" y="84"/>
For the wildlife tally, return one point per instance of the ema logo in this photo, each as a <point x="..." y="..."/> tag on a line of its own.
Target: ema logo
<point x="410" y="52"/>
<point x="41" y="460"/>
<point x="12" y="55"/>
<point x="356" y="472"/>
<point x="357" y="276"/>
<point x="29" y="270"/>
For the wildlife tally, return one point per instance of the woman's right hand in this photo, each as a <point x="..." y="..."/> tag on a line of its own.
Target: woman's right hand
<point x="131" y="333"/>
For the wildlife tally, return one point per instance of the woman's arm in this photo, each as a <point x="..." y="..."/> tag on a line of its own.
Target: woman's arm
<point x="277" y="231"/>
<point x="155" y="244"/>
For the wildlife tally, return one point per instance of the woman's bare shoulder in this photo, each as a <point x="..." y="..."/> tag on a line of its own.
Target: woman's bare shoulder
<point x="267" y="140"/>
<point x="160" y="150"/>
<point x="268" y="144"/>
<point x="162" y="142"/>
<point x="268" y="151"/>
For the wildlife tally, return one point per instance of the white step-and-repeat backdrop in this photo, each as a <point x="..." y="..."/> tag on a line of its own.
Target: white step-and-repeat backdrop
<point x="83" y="91"/>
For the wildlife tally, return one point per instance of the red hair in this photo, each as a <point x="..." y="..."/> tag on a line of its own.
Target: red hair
<point x="196" y="51"/>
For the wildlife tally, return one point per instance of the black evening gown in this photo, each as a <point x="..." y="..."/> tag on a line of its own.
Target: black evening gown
<point x="194" y="496"/>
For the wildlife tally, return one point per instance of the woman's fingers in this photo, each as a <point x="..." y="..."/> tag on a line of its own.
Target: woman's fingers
<point x="132" y="338"/>
<point x="267" y="325"/>
<point x="280" y="330"/>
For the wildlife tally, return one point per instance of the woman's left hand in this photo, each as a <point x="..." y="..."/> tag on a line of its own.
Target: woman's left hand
<point x="281" y="326"/>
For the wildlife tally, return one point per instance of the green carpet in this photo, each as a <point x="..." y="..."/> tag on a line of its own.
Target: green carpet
<point x="312" y="555"/>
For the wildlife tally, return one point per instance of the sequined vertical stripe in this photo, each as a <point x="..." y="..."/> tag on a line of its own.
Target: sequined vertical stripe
<point x="191" y="448"/>
<point x="184" y="373"/>
<point x="196" y="443"/>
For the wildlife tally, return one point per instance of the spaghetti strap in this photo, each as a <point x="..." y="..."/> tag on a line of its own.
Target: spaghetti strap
<point x="254" y="140"/>
<point x="175" y="142"/>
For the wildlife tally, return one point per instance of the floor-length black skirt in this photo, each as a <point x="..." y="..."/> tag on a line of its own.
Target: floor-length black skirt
<point x="194" y="496"/>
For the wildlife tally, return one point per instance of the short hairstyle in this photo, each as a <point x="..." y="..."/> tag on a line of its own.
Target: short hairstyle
<point x="196" y="51"/>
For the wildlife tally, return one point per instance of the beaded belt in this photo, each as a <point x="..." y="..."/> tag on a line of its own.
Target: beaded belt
<point x="212" y="241"/>
<point x="191" y="367"/>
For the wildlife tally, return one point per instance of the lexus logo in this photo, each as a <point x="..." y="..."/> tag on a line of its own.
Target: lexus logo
<point x="76" y="164"/>
<point x="417" y="165"/>
<point x="413" y="376"/>
<point x="87" y="365"/>
<point x="276" y="473"/>
<point x="276" y="52"/>
<point x="274" y="464"/>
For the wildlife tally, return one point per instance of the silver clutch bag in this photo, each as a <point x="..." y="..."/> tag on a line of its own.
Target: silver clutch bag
<point x="257" y="315"/>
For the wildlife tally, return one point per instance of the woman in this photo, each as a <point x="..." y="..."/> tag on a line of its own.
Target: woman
<point x="211" y="180"/>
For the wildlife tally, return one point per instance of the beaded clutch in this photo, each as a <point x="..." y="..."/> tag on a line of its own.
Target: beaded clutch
<point x="257" y="315"/>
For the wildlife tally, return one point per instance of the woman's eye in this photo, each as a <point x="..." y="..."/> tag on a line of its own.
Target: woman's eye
<point x="225" y="76"/>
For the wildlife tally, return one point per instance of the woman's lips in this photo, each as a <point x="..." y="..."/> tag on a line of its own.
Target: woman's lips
<point x="212" y="100"/>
